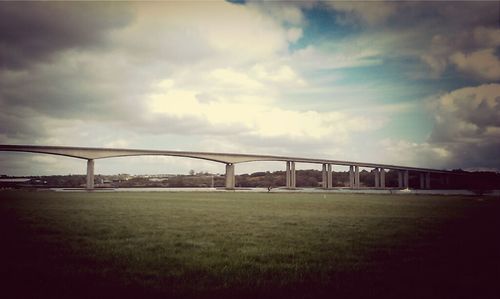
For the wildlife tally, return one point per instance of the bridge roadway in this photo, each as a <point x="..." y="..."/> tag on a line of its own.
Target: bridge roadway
<point x="90" y="154"/>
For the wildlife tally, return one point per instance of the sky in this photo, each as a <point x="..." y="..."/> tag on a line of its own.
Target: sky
<point x="406" y="83"/>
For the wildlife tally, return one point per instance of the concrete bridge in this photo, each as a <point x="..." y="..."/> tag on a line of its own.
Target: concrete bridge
<point x="90" y="154"/>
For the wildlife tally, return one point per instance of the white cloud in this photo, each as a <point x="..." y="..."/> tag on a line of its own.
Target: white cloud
<point x="258" y="119"/>
<point x="313" y="57"/>
<point x="481" y="64"/>
<point x="287" y="14"/>
<point x="208" y="31"/>
<point x="294" y="34"/>
<point x="403" y="152"/>
<point x="278" y="74"/>
<point x="230" y="78"/>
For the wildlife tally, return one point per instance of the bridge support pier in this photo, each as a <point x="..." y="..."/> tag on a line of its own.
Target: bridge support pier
<point x="324" y="176"/>
<point x="291" y="178"/>
<point x="351" y="176"/>
<point x="425" y="180"/>
<point x="329" y="177"/>
<point x="405" y="179"/>
<point x="230" y="180"/>
<point x="287" y="174"/>
<point x="90" y="174"/>
<point x="356" y="177"/>
<point x="382" y="178"/>
<point x="377" y="177"/>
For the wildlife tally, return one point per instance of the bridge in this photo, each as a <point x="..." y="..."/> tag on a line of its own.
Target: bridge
<point x="230" y="160"/>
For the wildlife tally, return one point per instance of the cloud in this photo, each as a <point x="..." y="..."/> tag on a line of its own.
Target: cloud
<point x="476" y="59"/>
<point x="294" y="34"/>
<point x="209" y="33"/>
<point x="289" y="14"/>
<point x="463" y="35"/>
<point x="482" y="64"/>
<point x="112" y="84"/>
<point x="466" y="130"/>
<point x="369" y="13"/>
<point x="487" y="37"/>
<point x="32" y="32"/>
<point x="437" y="55"/>
<point x="277" y="73"/>
<point x="230" y="78"/>
<point x="467" y="115"/>
<point x="253" y="117"/>
<point x="80" y="88"/>
<point x="35" y="164"/>
<point x="420" y="154"/>
<point x="471" y="52"/>
<point x="314" y="57"/>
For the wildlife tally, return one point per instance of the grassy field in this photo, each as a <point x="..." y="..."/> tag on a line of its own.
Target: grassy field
<point x="247" y="245"/>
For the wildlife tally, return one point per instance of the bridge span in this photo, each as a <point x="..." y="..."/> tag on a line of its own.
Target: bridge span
<point x="230" y="159"/>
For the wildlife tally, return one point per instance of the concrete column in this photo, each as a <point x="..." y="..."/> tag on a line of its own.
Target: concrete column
<point x="90" y="174"/>
<point x="406" y="179"/>
<point x="351" y="176"/>
<point x="356" y="176"/>
<point x="377" y="177"/>
<point x="382" y="178"/>
<point x="329" y="177"/>
<point x="288" y="179"/>
<point x="230" y="181"/>
<point x="400" y="179"/>
<point x="324" y="176"/>
<point x="293" y="178"/>
<point x="427" y="180"/>
<point x="422" y="182"/>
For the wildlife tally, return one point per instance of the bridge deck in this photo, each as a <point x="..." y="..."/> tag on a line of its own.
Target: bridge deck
<point x="228" y="158"/>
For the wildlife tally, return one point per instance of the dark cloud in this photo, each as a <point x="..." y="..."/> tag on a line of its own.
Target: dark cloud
<point x="59" y="61"/>
<point x="446" y="26"/>
<point x="32" y="31"/>
<point x="17" y="126"/>
<point x="485" y="114"/>
<point x="467" y="124"/>
<point x="434" y="15"/>
<point x="61" y="93"/>
<point x="482" y="154"/>
<point x="445" y="15"/>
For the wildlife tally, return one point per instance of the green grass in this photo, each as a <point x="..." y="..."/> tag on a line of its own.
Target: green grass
<point x="248" y="245"/>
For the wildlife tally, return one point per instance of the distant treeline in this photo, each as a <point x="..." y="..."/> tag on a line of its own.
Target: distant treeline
<point x="458" y="179"/>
